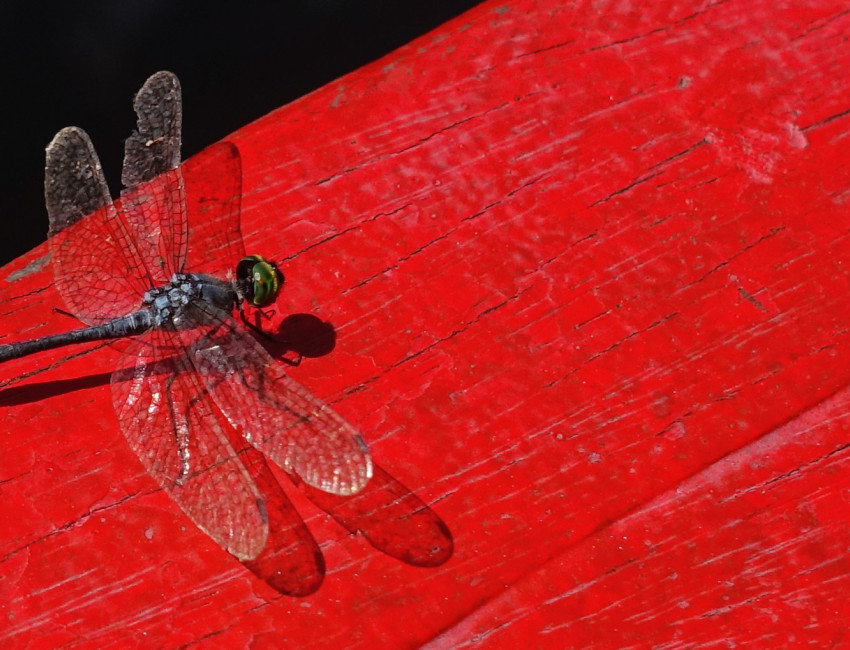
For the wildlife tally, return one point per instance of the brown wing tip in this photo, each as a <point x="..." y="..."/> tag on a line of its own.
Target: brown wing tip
<point x="68" y="134"/>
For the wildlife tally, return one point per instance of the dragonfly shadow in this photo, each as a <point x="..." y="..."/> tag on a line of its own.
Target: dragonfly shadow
<point x="388" y="515"/>
<point x="37" y="391"/>
<point x="306" y="335"/>
<point x="291" y="562"/>
<point x="391" y="518"/>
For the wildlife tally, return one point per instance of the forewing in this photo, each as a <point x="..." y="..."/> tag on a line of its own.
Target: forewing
<point x="98" y="272"/>
<point x="154" y="147"/>
<point x="74" y="185"/>
<point x="170" y="423"/>
<point x="154" y="203"/>
<point x="213" y="181"/>
<point x="278" y="416"/>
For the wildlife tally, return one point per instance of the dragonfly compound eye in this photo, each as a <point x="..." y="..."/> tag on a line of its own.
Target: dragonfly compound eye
<point x="259" y="279"/>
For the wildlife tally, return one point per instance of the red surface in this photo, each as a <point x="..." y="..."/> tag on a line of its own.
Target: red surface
<point x="588" y="268"/>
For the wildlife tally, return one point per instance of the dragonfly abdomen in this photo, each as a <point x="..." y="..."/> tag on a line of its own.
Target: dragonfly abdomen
<point x="129" y="325"/>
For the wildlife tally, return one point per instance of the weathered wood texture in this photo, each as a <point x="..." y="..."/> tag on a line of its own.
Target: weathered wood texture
<point x="588" y="267"/>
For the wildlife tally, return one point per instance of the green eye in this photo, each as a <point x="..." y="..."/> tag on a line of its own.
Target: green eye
<point x="260" y="280"/>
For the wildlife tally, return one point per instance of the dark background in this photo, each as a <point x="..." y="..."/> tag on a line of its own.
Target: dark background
<point x="81" y="63"/>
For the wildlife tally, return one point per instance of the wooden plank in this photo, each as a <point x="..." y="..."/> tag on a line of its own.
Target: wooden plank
<point x="586" y="265"/>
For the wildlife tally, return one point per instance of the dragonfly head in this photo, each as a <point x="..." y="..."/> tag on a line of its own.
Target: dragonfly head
<point x="258" y="280"/>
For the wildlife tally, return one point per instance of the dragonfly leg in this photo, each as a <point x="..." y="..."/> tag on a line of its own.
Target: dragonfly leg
<point x="181" y="435"/>
<point x="59" y="310"/>
<point x="254" y="327"/>
<point x="268" y="337"/>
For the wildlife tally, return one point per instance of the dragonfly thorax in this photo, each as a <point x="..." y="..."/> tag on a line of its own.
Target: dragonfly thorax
<point x="180" y="303"/>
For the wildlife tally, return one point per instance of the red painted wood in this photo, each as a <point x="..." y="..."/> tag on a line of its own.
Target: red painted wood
<point x="588" y="267"/>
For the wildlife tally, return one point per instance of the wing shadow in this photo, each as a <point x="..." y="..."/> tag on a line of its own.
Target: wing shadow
<point x="391" y="518"/>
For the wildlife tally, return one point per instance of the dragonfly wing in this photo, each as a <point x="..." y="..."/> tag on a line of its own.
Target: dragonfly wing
<point x="154" y="148"/>
<point x="96" y="271"/>
<point x="171" y="424"/>
<point x="74" y="185"/>
<point x="213" y="182"/>
<point x="154" y="203"/>
<point x="278" y="416"/>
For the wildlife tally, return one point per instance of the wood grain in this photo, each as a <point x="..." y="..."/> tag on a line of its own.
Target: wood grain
<point x="587" y="264"/>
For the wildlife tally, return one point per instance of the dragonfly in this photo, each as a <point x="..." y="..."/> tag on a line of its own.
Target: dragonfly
<point x="192" y="372"/>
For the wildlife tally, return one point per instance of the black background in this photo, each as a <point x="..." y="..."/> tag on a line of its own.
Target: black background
<point x="81" y="63"/>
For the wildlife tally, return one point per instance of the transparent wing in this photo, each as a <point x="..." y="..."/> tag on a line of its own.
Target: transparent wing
<point x="154" y="203"/>
<point x="170" y="423"/>
<point x="98" y="272"/>
<point x="278" y="416"/>
<point x="213" y="181"/>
